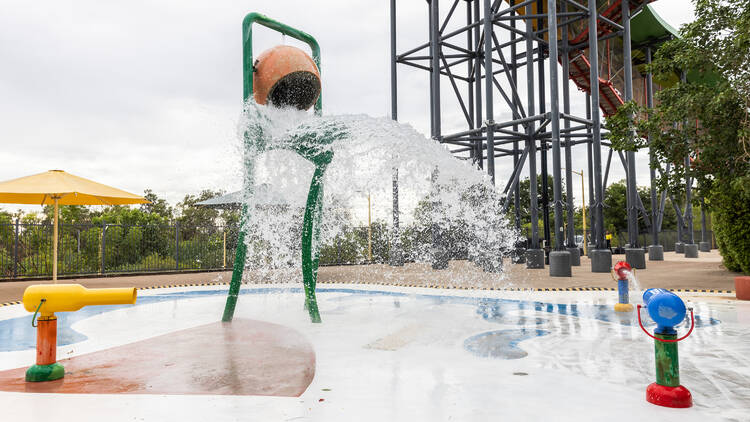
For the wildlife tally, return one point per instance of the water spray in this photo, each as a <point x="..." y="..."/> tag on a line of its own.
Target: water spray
<point x="667" y="310"/>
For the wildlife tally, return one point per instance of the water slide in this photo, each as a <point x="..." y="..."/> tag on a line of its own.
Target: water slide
<point x="647" y="28"/>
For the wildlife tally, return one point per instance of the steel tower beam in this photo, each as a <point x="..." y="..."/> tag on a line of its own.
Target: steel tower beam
<point x="655" y="250"/>
<point x="485" y="49"/>
<point x="559" y="259"/>
<point x="396" y="257"/>
<point x="488" y="89"/>
<point x="634" y="255"/>
<point x="543" y="145"/>
<point x="601" y="259"/>
<point x="570" y="236"/>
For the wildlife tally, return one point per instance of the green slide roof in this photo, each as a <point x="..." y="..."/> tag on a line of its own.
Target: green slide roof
<point x="649" y="29"/>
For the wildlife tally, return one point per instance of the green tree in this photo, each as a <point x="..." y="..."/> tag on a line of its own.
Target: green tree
<point x="191" y="215"/>
<point x="615" y="209"/>
<point x="706" y="118"/>
<point x="524" y="188"/>
<point x="158" y="206"/>
<point x="6" y="217"/>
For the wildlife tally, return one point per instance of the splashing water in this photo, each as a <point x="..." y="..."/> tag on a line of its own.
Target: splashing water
<point x="633" y="285"/>
<point x="438" y="193"/>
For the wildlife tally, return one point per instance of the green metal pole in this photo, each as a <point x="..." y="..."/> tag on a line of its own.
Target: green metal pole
<point x="667" y="361"/>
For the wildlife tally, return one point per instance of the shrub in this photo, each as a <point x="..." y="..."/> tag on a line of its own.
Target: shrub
<point x="731" y="210"/>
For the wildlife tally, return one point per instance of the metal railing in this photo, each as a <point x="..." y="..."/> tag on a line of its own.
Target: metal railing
<point x="87" y="249"/>
<point x="667" y="239"/>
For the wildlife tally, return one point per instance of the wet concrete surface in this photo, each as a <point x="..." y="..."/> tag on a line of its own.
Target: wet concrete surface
<point x="389" y="353"/>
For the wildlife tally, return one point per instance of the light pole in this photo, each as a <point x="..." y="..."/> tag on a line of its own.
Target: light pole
<point x="583" y="209"/>
<point x="369" y="228"/>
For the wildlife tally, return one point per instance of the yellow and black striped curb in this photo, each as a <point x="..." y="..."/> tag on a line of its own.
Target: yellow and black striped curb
<point x="447" y="286"/>
<point x="434" y="286"/>
<point x="170" y="286"/>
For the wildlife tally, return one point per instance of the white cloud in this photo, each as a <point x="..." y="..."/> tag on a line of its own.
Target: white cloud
<point x="146" y="94"/>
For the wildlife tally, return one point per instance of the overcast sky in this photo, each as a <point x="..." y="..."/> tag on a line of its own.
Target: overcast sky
<point x="147" y="94"/>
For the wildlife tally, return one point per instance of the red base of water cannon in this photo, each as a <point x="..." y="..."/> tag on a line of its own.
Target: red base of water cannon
<point x="677" y="397"/>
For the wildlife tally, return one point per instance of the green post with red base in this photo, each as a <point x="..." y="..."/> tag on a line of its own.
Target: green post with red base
<point x="667" y="310"/>
<point x="667" y="391"/>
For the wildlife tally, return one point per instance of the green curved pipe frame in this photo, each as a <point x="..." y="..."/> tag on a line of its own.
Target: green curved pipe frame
<point x="318" y="156"/>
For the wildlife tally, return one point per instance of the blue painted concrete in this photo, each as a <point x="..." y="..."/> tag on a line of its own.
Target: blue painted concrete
<point x="17" y="333"/>
<point x="501" y="344"/>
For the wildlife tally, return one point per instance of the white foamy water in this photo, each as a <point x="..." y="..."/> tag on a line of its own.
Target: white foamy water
<point x="634" y="287"/>
<point x="435" y="190"/>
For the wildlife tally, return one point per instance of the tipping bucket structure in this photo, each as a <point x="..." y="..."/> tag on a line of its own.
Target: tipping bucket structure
<point x="286" y="76"/>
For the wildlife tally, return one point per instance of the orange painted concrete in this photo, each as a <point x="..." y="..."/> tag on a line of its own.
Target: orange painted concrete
<point x="244" y="357"/>
<point x="46" y="341"/>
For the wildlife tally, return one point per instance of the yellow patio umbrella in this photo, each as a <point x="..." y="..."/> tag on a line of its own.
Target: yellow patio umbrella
<point x="60" y="188"/>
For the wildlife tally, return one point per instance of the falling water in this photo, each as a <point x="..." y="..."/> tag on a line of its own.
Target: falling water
<point x="437" y="192"/>
<point x="633" y="285"/>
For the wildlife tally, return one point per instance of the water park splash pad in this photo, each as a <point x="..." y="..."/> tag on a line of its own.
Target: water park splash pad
<point x="381" y="352"/>
<point x="291" y="350"/>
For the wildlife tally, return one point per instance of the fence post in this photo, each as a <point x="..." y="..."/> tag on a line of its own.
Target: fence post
<point x="338" y="250"/>
<point x="177" y="245"/>
<point x="15" y="252"/>
<point x="224" y="247"/>
<point x="103" y="246"/>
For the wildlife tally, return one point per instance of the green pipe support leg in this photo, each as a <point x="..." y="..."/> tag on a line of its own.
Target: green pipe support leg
<point x="310" y="237"/>
<point x="237" y="270"/>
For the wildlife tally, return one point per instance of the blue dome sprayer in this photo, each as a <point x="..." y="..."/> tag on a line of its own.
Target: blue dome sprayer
<point x="667" y="310"/>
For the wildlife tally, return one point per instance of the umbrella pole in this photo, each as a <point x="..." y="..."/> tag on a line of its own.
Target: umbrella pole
<point x="54" y="246"/>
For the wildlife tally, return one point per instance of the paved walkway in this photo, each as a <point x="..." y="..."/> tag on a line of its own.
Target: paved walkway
<point x="675" y="272"/>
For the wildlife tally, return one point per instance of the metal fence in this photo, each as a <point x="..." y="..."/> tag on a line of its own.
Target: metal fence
<point x="88" y="249"/>
<point x="667" y="239"/>
<point x="26" y="249"/>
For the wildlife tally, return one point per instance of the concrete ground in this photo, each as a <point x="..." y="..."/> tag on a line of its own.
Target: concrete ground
<point x="382" y="353"/>
<point x="675" y="272"/>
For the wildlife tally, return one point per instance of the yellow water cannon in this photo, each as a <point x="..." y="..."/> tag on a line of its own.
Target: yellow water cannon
<point x="72" y="297"/>
<point x="45" y="300"/>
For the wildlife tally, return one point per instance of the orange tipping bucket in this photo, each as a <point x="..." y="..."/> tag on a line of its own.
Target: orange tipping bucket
<point x="286" y="76"/>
